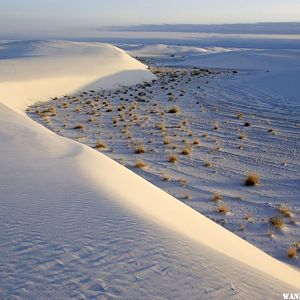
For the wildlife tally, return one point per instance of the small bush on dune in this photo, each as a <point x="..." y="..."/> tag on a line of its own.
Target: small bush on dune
<point x="101" y="145"/>
<point x="208" y="164"/>
<point x="252" y="179"/>
<point x="240" y="115"/>
<point x="140" y="164"/>
<point x="242" y="136"/>
<point x="216" y="125"/>
<point x="79" y="126"/>
<point x="182" y="182"/>
<point x="166" y="141"/>
<point x="186" y="151"/>
<point x="173" y="158"/>
<point x="217" y="196"/>
<point x="174" y="110"/>
<point x="277" y="222"/>
<point x="161" y="126"/>
<point x="223" y="208"/>
<point x="187" y="197"/>
<point x="285" y="210"/>
<point x="115" y="120"/>
<point x="166" y="178"/>
<point x="292" y="252"/>
<point x="139" y="149"/>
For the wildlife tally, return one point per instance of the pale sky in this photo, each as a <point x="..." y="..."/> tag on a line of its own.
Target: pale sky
<point x="52" y="15"/>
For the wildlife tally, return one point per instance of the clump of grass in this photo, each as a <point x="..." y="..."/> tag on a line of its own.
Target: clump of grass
<point x="252" y="179"/>
<point x="186" y="151"/>
<point x="79" y="126"/>
<point x="277" y="222"/>
<point x="187" y="197"/>
<point x="292" y="252"/>
<point x="115" y="120"/>
<point x="161" y="126"/>
<point x="240" y="115"/>
<point x="182" y="182"/>
<point x="242" y="136"/>
<point x="101" y="145"/>
<point x="92" y="119"/>
<point x="139" y="149"/>
<point x="208" y="164"/>
<point x="242" y="227"/>
<point x="50" y="110"/>
<point x="196" y="142"/>
<point x="223" y="208"/>
<point x="174" y="110"/>
<point x="249" y="217"/>
<point x="46" y="119"/>
<point x="217" y="196"/>
<point x="173" y="158"/>
<point x="122" y="117"/>
<point x="285" y="210"/>
<point x="166" y="178"/>
<point x="166" y="141"/>
<point x="140" y="164"/>
<point x="216" y="125"/>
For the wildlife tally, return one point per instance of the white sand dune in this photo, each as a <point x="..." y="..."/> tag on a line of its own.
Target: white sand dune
<point x="162" y="49"/>
<point x="38" y="70"/>
<point x="75" y="223"/>
<point x="283" y="65"/>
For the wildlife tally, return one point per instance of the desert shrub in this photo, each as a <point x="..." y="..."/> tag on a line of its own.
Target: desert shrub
<point x="140" y="164"/>
<point x="139" y="149"/>
<point x="223" y="208"/>
<point x="115" y="120"/>
<point x="166" y="141"/>
<point x="174" y="110"/>
<point x="216" y="125"/>
<point x="292" y="252"/>
<point x="252" y="179"/>
<point x="186" y="151"/>
<point x="166" y="178"/>
<point x="242" y="136"/>
<point x="187" y="197"/>
<point x="208" y="164"/>
<point x="217" y="196"/>
<point x="240" y="115"/>
<point x="161" y="126"/>
<point x="285" y="210"/>
<point x="100" y="144"/>
<point x="79" y="126"/>
<point x="277" y="222"/>
<point x="173" y="158"/>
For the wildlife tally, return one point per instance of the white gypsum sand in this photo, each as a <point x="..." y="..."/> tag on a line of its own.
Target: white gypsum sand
<point x="75" y="223"/>
<point x="215" y="145"/>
